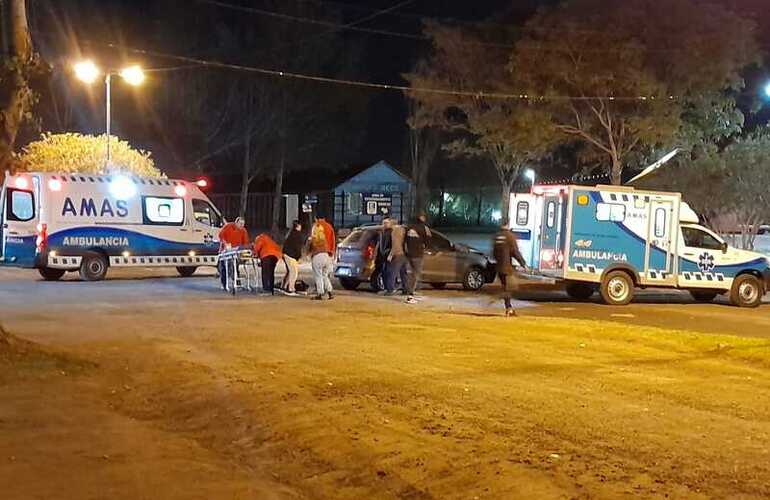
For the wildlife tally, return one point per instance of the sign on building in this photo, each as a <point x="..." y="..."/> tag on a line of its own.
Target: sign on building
<point x="377" y="203"/>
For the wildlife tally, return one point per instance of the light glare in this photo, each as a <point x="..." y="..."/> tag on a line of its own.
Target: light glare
<point x="133" y="75"/>
<point x="122" y="187"/>
<point x="86" y="71"/>
<point x="22" y="183"/>
<point x="54" y="185"/>
<point x="180" y="191"/>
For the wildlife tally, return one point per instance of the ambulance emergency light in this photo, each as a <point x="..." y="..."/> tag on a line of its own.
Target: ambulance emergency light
<point x="122" y="187"/>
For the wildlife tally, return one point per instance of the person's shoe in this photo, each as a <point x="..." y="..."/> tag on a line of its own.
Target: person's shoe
<point x="318" y="297"/>
<point x="330" y="295"/>
<point x="389" y="293"/>
<point x="509" y="312"/>
<point x="411" y="300"/>
<point x="290" y="293"/>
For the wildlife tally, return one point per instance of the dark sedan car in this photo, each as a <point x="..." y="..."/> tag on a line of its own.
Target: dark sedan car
<point x="445" y="262"/>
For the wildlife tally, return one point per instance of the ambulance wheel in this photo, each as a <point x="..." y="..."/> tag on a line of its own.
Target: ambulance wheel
<point x="49" y="274"/>
<point x="93" y="267"/>
<point x="580" y="291"/>
<point x="617" y="288"/>
<point x="703" y="295"/>
<point x="349" y="283"/>
<point x="186" y="271"/>
<point x="746" y="291"/>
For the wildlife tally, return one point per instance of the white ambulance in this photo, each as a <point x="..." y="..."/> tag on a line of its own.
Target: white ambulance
<point x="613" y="239"/>
<point x="89" y="223"/>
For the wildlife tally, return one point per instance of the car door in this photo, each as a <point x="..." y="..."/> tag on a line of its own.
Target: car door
<point x="206" y="223"/>
<point x="19" y="221"/>
<point x="700" y="255"/>
<point x="441" y="263"/>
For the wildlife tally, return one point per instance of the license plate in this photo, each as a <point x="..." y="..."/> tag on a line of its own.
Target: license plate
<point x="343" y="271"/>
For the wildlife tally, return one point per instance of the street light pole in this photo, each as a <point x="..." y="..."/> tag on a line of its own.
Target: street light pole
<point x="107" y="80"/>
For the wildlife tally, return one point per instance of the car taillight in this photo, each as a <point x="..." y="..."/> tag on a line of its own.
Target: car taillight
<point x="369" y="252"/>
<point x="42" y="238"/>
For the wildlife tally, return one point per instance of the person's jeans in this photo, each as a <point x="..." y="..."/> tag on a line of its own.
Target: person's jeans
<point x="268" y="272"/>
<point x="323" y="267"/>
<point x="224" y="273"/>
<point x="505" y="281"/>
<point x="396" y="267"/>
<point x="292" y="272"/>
<point x="415" y="264"/>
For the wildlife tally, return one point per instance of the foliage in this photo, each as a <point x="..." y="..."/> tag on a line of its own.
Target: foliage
<point x="622" y="78"/>
<point x="85" y="153"/>
<point x="511" y="133"/>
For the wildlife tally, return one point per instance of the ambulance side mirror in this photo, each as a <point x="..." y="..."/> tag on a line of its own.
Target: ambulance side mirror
<point x="724" y="247"/>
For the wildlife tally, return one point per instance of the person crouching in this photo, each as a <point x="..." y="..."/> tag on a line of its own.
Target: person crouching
<point x="268" y="252"/>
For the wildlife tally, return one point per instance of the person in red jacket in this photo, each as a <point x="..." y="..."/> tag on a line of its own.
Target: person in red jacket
<point x="232" y="235"/>
<point x="269" y="252"/>
<point x="331" y="237"/>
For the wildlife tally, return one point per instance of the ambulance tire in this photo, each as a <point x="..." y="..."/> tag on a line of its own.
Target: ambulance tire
<point x="617" y="288"/>
<point x="49" y="274"/>
<point x="93" y="267"/>
<point x="580" y="291"/>
<point x="747" y="291"/>
<point x="703" y="295"/>
<point x="186" y="271"/>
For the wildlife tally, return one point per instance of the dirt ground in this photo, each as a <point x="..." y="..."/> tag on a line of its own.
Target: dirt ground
<point x="365" y="398"/>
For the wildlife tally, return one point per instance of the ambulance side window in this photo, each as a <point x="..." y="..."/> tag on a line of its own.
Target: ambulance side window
<point x="21" y="205"/>
<point x="163" y="211"/>
<point x="660" y="222"/>
<point x="695" y="238"/>
<point x="522" y="213"/>
<point x="204" y="213"/>
<point x="610" y="212"/>
<point x="550" y="217"/>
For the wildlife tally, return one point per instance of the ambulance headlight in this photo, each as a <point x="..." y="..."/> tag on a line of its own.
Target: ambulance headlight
<point x="122" y="187"/>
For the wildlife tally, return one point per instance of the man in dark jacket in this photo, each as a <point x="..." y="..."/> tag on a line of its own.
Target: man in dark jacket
<point x="384" y="245"/>
<point x="417" y="240"/>
<point x="505" y="249"/>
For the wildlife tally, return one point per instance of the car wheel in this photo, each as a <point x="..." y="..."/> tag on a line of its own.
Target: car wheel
<point x="377" y="282"/>
<point x="50" y="274"/>
<point x="617" y="288"/>
<point x="473" y="279"/>
<point x="349" y="283"/>
<point x="580" y="291"/>
<point x="747" y="291"/>
<point x="438" y="286"/>
<point x="703" y="295"/>
<point x="186" y="271"/>
<point x="93" y="267"/>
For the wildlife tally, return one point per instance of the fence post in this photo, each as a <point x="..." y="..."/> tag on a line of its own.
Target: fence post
<point x="481" y="197"/>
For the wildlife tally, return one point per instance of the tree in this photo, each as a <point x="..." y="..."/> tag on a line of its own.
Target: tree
<point x="619" y="77"/>
<point x="19" y="66"/>
<point x="85" y="153"/>
<point x="495" y="125"/>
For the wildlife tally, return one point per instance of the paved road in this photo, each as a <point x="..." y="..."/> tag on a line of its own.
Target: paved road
<point x="28" y="304"/>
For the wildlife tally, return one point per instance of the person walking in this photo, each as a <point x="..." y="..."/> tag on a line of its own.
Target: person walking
<point x="268" y="252"/>
<point x="322" y="262"/>
<point x="397" y="263"/>
<point x="232" y="235"/>
<point x="292" y="252"/>
<point x="384" y="245"/>
<point x="505" y="249"/>
<point x="417" y="240"/>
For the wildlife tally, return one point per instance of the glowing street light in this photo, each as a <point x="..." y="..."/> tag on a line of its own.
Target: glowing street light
<point x="88" y="72"/>
<point x="530" y="174"/>
<point x="767" y="90"/>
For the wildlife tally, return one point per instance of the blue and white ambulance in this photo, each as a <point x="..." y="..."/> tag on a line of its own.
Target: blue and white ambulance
<point x="89" y="223"/>
<point x="615" y="239"/>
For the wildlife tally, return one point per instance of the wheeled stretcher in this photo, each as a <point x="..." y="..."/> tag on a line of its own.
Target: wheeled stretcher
<point x="241" y="269"/>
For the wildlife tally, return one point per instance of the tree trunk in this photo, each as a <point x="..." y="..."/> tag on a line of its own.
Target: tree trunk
<point x="20" y="95"/>
<point x="278" y="195"/>
<point x="505" y="199"/>
<point x="246" y="176"/>
<point x="616" y="173"/>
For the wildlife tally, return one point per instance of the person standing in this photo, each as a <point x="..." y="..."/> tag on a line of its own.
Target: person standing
<point x="330" y="235"/>
<point x="505" y="249"/>
<point x="397" y="264"/>
<point x="292" y="252"/>
<point x="417" y="240"/>
<point x="384" y="245"/>
<point x="232" y="235"/>
<point x="322" y="262"/>
<point x="268" y="252"/>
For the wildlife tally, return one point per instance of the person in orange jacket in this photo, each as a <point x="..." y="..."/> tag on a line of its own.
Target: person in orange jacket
<point x="269" y="252"/>
<point x="232" y="235"/>
<point x="331" y="237"/>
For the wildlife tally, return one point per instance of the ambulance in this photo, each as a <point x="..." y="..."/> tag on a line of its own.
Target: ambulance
<point x="615" y="239"/>
<point x="89" y="223"/>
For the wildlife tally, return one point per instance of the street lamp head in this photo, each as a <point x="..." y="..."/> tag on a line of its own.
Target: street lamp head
<point x="133" y="75"/>
<point x="530" y="174"/>
<point x="767" y="90"/>
<point x="86" y="71"/>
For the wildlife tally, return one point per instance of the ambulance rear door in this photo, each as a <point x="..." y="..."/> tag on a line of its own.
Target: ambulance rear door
<point x="2" y="217"/>
<point x="523" y="223"/>
<point x="19" y="218"/>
